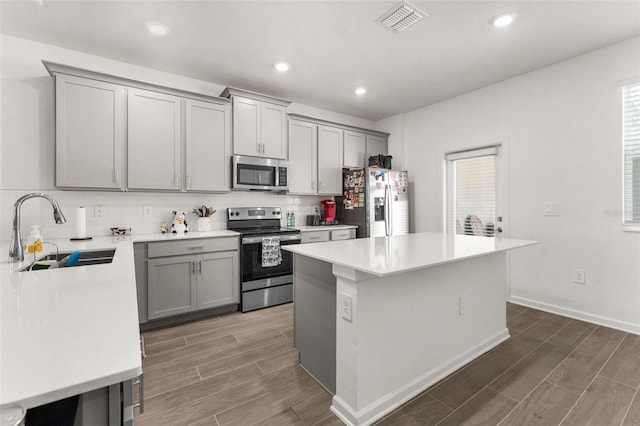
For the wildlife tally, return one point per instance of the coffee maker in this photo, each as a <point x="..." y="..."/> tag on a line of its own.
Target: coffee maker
<point x="328" y="212"/>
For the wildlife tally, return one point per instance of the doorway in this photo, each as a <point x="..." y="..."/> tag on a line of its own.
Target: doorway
<point x="474" y="191"/>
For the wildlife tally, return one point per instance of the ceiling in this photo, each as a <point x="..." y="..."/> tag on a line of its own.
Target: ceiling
<point x="332" y="46"/>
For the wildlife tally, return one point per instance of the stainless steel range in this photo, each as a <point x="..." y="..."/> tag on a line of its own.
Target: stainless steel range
<point x="266" y="271"/>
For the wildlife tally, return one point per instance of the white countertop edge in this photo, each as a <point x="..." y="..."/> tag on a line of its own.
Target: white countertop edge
<point x="306" y="228"/>
<point x="335" y="257"/>
<point x="58" y="394"/>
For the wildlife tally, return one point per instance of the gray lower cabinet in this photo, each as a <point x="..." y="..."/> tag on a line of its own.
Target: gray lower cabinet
<point x="172" y="288"/>
<point x="178" y="277"/>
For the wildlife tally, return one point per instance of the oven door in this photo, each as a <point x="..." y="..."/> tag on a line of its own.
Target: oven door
<point x="252" y="268"/>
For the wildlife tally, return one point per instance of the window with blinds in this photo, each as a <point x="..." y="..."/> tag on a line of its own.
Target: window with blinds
<point x="631" y="156"/>
<point x="471" y="192"/>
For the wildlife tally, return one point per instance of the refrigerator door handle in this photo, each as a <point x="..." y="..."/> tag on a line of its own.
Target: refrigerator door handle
<point x="386" y="210"/>
<point x="391" y="207"/>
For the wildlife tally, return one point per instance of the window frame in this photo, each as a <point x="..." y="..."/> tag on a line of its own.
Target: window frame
<point x="630" y="163"/>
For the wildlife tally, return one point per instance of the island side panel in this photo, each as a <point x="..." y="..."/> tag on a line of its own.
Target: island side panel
<point x="407" y="331"/>
<point x="314" y="311"/>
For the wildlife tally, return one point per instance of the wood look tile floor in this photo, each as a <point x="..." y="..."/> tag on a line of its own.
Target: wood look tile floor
<point x="242" y="369"/>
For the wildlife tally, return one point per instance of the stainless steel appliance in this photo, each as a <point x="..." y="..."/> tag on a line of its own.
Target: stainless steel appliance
<point x="376" y="200"/>
<point x="264" y="283"/>
<point x="259" y="173"/>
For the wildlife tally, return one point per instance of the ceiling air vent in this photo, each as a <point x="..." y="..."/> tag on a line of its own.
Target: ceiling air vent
<point x="401" y="17"/>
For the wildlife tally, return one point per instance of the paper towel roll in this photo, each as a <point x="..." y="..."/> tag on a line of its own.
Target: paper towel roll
<point x="81" y="222"/>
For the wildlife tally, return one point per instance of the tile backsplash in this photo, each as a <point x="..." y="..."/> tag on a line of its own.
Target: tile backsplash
<point x="126" y="210"/>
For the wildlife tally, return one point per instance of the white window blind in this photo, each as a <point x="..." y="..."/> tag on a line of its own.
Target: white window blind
<point x="471" y="191"/>
<point x="631" y="149"/>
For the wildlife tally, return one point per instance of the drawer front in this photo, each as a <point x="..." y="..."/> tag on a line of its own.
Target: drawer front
<point x="315" y="237"/>
<point x="205" y="245"/>
<point x="342" y="234"/>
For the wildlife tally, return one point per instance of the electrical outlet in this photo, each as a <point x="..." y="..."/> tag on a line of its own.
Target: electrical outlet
<point x="147" y="211"/>
<point x="345" y="306"/>
<point x="551" y="209"/>
<point x="578" y="276"/>
<point x="461" y="305"/>
<point x="98" y="210"/>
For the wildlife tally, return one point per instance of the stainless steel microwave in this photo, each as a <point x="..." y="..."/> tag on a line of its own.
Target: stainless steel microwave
<point x="259" y="173"/>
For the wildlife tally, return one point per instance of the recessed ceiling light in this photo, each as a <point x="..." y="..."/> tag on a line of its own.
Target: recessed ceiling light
<point x="501" y="21"/>
<point x="282" y="66"/>
<point x="361" y="91"/>
<point x="157" y="28"/>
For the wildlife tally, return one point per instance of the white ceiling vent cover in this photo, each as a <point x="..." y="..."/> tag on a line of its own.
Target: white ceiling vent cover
<point x="401" y="17"/>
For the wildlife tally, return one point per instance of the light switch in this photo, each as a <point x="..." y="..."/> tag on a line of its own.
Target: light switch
<point x="551" y="209"/>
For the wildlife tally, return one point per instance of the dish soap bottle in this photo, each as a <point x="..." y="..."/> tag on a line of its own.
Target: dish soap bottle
<point x="34" y="240"/>
<point x="290" y="219"/>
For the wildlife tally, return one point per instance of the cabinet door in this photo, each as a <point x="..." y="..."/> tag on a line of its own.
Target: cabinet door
<point x="376" y="145"/>
<point x="154" y="141"/>
<point x="218" y="277"/>
<point x="246" y="127"/>
<point x="273" y="130"/>
<point x="330" y="142"/>
<point x="355" y="149"/>
<point x="208" y="146"/>
<point x="171" y="286"/>
<point x="303" y="144"/>
<point x="90" y="133"/>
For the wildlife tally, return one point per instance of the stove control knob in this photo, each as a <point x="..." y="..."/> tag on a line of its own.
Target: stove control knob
<point x="273" y="212"/>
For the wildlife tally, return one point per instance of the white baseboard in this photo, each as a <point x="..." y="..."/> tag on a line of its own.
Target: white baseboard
<point x="575" y="314"/>
<point x="393" y="400"/>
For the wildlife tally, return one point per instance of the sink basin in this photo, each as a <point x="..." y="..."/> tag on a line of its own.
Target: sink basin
<point x="89" y="257"/>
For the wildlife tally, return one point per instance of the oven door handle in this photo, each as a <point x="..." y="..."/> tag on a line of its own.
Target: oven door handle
<point x="254" y="240"/>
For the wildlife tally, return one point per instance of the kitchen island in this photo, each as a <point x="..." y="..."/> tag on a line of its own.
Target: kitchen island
<point x="378" y="320"/>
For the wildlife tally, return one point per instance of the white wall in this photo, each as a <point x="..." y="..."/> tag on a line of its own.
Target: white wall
<point x="562" y="126"/>
<point x="28" y="140"/>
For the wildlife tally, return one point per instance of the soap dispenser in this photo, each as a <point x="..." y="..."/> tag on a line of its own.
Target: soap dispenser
<point x="34" y="240"/>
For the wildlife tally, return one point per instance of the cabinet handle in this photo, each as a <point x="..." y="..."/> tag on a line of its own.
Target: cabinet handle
<point x="313" y="185"/>
<point x="319" y="186"/>
<point x="140" y="402"/>
<point x="200" y="266"/>
<point x="175" y="180"/>
<point x="314" y="238"/>
<point x="196" y="247"/>
<point x="116" y="177"/>
<point x="188" y="182"/>
<point x="193" y="267"/>
<point x="142" y="347"/>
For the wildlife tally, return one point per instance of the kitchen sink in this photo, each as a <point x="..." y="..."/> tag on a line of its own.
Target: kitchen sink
<point x="89" y="257"/>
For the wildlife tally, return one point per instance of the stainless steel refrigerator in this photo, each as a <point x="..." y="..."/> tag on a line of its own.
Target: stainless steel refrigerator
<point x="376" y="200"/>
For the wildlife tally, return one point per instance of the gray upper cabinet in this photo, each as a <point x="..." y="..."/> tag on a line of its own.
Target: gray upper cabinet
<point x="330" y="140"/>
<point x="376" y="145"/>
<point x="259" y="124"/>
<point x="355" y="148"/>
<point x="113" y="133"/>
<point x="207" y="146"/>
<point x="90" y="133"/>
<point x="154" y="140"/>
<point x="303" y="163"/>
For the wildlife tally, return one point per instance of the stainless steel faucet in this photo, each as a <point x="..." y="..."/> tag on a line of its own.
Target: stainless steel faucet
<point x="16" y="250"/>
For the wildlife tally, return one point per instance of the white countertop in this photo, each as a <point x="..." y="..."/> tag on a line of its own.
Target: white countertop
<point x="383" y="256"/>
<point x="188" y="236"/>
<point x="70" y="330"/>
<point x="325" y="227"/>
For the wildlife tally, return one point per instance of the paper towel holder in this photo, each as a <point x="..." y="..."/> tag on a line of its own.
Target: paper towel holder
<point x="81" y="227"/>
